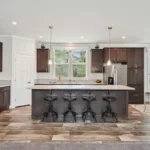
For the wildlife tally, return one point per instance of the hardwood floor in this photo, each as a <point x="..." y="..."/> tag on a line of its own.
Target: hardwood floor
<point x="16" y="126"/>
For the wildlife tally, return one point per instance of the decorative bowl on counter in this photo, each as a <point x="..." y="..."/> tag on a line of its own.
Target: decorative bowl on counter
<point x="98" y="81"/>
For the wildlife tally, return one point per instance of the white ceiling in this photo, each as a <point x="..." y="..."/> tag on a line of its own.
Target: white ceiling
<point x="75" y="18"/>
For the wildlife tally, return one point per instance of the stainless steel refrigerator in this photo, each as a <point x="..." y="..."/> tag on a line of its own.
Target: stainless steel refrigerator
<point x="118" y="72"/>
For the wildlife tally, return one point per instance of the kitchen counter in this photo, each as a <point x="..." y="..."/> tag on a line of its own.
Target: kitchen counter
<point x="3" y="85"/>
<point x="82" y="87"/>
<point x="120" y="92"/>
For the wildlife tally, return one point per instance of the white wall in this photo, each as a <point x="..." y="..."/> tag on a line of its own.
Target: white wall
<point x="6" y="73"/>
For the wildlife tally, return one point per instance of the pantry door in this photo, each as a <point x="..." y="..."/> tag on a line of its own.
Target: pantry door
<point x="23" y="80"/>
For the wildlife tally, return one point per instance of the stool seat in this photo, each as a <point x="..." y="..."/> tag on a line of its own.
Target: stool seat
<point x="88" y="97"/>
<point x="70" y="97"/>
<point x="50" y="97"/>
<point x="109" y="98"/>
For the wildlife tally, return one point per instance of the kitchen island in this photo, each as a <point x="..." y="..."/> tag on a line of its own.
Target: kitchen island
<point x="120" y="92"/>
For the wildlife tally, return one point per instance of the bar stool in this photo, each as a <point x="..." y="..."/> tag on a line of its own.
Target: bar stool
<point x="109" y="99"/>
<point x="70" y="98"/>
<point x="50" y="98"/>
<point x="89" y="98"/>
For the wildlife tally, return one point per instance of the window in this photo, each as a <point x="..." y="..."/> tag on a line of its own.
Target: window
<point x="70" y="63"/>
<point x="79" y="63"/>
<point x="61" y="63"/>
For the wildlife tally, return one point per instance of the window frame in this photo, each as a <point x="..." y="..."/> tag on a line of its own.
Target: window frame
<point x="70" y="62"/>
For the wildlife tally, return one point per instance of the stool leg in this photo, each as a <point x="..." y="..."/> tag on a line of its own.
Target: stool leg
<point x="94" y="116"/>
<point x="74" y="115"/>
<point x="65" y="114"/>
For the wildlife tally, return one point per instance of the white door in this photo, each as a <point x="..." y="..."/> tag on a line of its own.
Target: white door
<point x="23" y="79"/>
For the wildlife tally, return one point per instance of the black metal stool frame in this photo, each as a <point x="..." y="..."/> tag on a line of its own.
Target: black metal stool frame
<point x="70" y="108"/>
<point x="89" y="109"/>
<point x="109" y="110"/>
<point x="51" y="111"/>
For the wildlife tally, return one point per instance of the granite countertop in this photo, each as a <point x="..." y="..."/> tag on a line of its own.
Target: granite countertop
<point x="82" y="87"/>
<point x="4" y="85"/>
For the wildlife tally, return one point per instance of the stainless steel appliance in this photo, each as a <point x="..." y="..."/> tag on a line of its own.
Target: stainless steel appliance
<point x="118" y="72"/>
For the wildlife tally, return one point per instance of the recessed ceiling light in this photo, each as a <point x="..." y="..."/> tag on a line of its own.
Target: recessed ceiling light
<point x="82" y="37"/>
<point x="70" y="42"/>
<point x="14" y="23"/>
<point x="40" y="36"/>
<point x="123" y="37"/>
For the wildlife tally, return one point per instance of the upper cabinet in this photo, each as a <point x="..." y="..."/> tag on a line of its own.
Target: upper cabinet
<point x="42" y="60"/>
<point x="117" y="55"/>
<point x="97" y="60"/>
<point x="135" y="57"/>
<point x="1" y="56"/>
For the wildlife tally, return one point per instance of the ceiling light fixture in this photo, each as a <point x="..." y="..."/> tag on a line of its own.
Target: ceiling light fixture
<point x="14" y="23"/>
<point x="123" y="37"/>
<point x="109" y="61"/>
<point x="50" y="45"/>
<point x="40" y="36"/>
<point x="82" y="37"/>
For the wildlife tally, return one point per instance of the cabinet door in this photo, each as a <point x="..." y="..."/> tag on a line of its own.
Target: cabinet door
<point x="113" y="54"/>
<point x="1" y="101"/>
<point x="42" y="60"/>
<point x="131" y="57"/>
<point x="136" y="98"/>
<point x="131" y="76"/>
<point x="139" y="76"/>
<point x="139" y="57"/>
<point x="1" y="56"/>
<point x="121" y="55"/>
<point x="96" y="61"/>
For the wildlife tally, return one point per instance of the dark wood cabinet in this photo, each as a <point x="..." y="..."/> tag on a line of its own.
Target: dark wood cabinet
<point x="121" y="55"/>
<point x="117" y="55"/>
<point x="113" y="54"/>
<point x="4" y="98"/>
<point x="97" y="60"/>
<point x="135" y="62"/>
<point x="1" y="57"/>
<point x="136" y="97"/>
<point x="135" y="57"/>
<point x="42" y="60"/>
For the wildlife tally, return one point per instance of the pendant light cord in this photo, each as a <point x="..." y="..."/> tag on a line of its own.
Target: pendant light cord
<point x="50" y="27"/>
<point x="109" y="39"/>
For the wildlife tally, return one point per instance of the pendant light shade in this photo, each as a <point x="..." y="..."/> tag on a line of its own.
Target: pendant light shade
<point x="109" y="63"/>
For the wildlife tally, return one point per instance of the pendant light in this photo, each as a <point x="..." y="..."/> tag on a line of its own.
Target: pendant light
<point x="50" y="45"/>
<point x="109" y="61"/>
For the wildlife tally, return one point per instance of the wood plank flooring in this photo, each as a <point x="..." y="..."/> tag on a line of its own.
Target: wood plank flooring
<point x="16" y="126"/>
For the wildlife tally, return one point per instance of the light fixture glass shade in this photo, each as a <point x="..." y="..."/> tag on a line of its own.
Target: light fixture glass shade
<point x="49" y="61"/>
<point x="109" y="62"/>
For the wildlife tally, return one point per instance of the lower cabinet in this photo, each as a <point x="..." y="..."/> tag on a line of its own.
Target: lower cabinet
<point x="4" y="98"/>
<point x="136" y="98"/>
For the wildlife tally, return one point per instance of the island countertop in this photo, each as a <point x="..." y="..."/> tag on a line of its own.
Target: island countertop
<point x="81" y="87"/>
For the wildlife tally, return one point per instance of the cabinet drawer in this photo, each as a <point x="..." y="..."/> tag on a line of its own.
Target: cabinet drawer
<point x="136" y="98"/>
